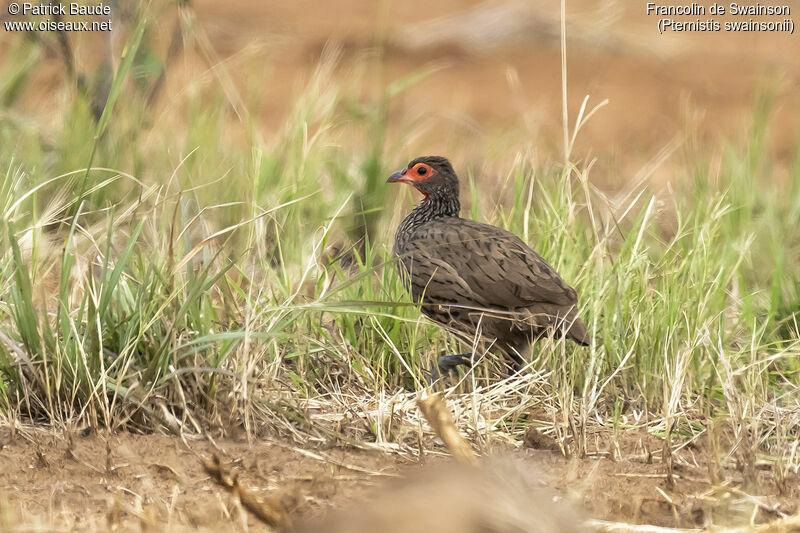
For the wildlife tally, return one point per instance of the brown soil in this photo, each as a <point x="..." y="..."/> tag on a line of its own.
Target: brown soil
<point x="81" y="482"/>
<point x="128" y="481"/>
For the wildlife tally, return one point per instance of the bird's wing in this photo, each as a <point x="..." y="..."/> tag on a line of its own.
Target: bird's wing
<point x="430" y="276"/>
<point x="481" y="264"/>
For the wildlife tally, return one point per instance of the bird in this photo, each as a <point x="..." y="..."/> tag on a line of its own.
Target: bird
<point x="476" y="280"/>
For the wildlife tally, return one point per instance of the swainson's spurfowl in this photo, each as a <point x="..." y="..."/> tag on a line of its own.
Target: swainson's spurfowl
<point x="473" y="278"/>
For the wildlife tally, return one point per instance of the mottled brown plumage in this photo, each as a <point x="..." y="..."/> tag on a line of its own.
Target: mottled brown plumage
<point x="470" y="276"/>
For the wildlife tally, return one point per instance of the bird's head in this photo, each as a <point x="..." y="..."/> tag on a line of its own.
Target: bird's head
<point x="433" y="176"/>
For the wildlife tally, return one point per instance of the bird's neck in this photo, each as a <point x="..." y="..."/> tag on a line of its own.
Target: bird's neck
<point x="431" y="208"/>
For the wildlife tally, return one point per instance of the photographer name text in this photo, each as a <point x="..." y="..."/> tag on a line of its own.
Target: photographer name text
<point x="47" y="17"/>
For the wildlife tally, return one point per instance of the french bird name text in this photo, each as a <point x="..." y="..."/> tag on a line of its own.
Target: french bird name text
<point x="697" y="17"/>
<point x="695" y="9"/>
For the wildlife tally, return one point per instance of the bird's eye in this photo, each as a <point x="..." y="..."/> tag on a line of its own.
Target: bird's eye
<point x="422" y="171"/>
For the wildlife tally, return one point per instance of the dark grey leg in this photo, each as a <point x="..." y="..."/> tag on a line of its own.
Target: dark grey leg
<point x="515" y="364"/>
<point x="448" y="363"/>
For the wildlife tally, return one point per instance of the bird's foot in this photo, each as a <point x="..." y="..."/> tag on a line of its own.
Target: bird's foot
<point x="447" y="363"/>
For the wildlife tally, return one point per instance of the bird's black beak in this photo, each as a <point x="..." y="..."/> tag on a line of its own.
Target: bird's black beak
<point x="397" y="176"/>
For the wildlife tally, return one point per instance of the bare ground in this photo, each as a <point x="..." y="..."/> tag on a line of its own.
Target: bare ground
<point x="68" y="481"/>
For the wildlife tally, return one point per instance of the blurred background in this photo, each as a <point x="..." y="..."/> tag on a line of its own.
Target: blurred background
<point x="466" y="74"/>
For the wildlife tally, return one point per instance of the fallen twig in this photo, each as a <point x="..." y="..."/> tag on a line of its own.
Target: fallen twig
<point x="436" y="413"/>
<point x="270" y="511"/>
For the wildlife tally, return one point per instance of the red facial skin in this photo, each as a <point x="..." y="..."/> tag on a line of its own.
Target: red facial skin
<point x="412" y="175"/>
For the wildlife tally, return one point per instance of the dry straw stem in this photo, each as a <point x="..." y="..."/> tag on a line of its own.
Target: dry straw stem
<point x="618" y="527"/>
<point x="270" y="511"/>
<point x="436" y="414"/>
<point x="782" y="525"/>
